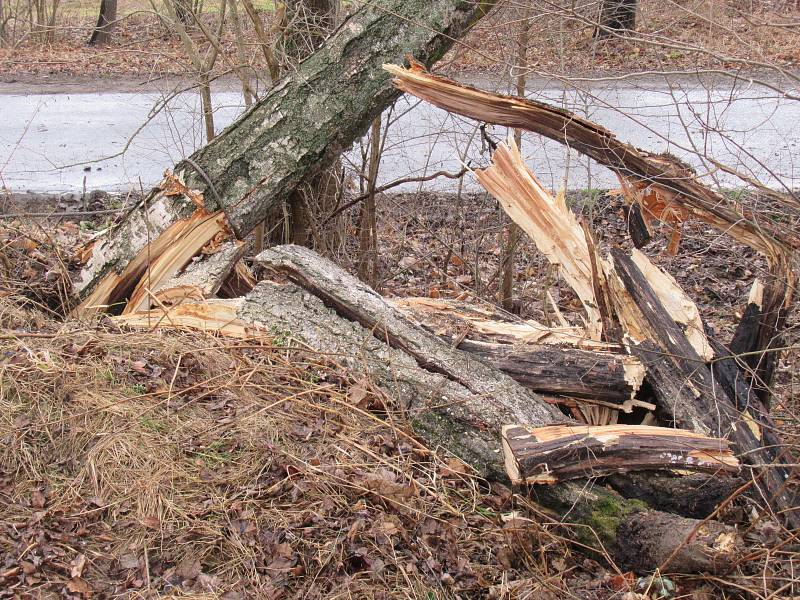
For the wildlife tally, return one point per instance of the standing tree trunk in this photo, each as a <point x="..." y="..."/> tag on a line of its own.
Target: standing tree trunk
<point x="616" y="16"/>
<point x="106" y="23"/>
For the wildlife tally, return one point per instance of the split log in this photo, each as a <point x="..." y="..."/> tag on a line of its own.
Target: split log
<point x="444" y="403"/>
<point x="558" y="453"/>
<point x="299" y="128"/>
<point x="673" y="354"/>
<point x="614" y="378"/>
<point x="693" y="396"/>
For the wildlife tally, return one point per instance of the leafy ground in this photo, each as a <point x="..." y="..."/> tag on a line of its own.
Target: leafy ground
<point x="672" y="36"/>
<point x="180" y="464"/>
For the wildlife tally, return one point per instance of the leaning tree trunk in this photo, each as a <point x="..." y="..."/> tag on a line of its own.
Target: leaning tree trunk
<point x="616" y="16"/>
<point x="106" y="23"/>
<point x="296" y="131"/>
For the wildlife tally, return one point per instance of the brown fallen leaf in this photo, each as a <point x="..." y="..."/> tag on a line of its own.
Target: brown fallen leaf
<point x="77" y="565"/>
<point x="79" y="586"/>
<point x="37" y="499"/>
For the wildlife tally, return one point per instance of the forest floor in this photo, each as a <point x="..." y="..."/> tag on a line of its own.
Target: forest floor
<point x="181" y="463"/>
<point x="676" y="37"/>
<point x="185" y="465"/>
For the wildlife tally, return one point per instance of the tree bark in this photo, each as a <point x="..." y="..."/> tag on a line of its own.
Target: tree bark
<point x="295" y="131"/>
<point x="106" y="23"/>
<point x="450" y="400"/>
<point x="616" y="16"/>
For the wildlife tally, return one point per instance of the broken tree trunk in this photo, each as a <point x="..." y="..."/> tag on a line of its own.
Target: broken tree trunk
<point x="663" y="324"/>
<point x="702" y="404"/>
<point x="600" y="144"/>
<point x="660" y="179"/>
<point x="451" y="400"/>
<point x="558" y="453"/>
<point x="296" y="130"/>
<point x="614" y="378"/>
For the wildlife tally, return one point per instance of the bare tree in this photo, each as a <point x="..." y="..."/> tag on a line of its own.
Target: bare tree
<point x="616" y="15"/>
<point x="106" y="23"/>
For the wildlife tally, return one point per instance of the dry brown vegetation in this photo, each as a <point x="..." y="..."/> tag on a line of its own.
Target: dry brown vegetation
<point x="684" y="35"/>
<point x="182" y="463"/>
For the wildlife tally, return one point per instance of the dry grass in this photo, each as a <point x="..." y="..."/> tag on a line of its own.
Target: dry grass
<point x="181" y="463"/>
<point x="177" y="464"/>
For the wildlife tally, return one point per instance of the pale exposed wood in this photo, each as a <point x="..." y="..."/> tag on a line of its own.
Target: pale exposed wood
<point x="678" y="305"/>
<point x="441" y="315"/>
<point x="181" y="234"/>
<point x="211" y="316"/>
<point x="548" y="221"/>
<point x="203" y="276"/>
<point x="207" y="229"/>
<point x="563" y="126"/>
<point x="561" y="452"/>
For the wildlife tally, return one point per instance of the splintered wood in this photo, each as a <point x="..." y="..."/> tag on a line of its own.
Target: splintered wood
<point x="695" y="382"/>
<point x="547" y="220"/>
<point x="679" y="191"/>
<point x="562" y="452"/>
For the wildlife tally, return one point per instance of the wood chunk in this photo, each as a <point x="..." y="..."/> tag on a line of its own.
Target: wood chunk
<point x="562" y="452"/>
<point x="614" y="378"/>
<point x="204" y="275"/>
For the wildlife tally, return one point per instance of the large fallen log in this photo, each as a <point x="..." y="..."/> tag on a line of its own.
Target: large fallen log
<point x="454" y="402"/>
<point x="296" y="130"/>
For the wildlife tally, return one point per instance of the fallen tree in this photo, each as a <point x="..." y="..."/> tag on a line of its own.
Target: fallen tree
<point x="628" y="295"/>
<point x="181" y="247"/>
<point x="301" y="126"/>
<point x="453" y="401"/>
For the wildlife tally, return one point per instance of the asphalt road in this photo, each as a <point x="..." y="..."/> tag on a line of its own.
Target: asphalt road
<point x="114" y="140"/>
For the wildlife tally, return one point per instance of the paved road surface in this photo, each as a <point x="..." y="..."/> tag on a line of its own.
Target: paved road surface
<point x="46" y="138"/>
